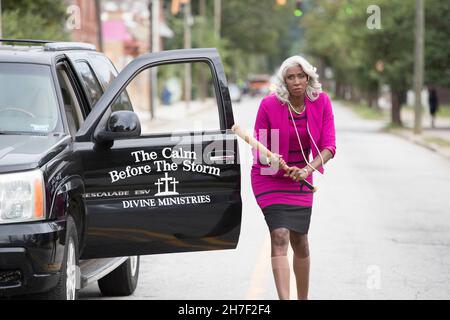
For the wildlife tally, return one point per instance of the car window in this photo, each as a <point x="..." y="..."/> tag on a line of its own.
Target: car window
<point x="106" y="73"/>
<point x="104" y="69"/>
<point x="181" y="98"/>
<point x="91" y="85"/>
<point x="28" y="102"/>
<point x="72" y="107"/>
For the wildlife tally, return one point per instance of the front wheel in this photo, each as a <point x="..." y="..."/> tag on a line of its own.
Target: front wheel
<point x="67" y="287"/>
<point x="123" y="280"/>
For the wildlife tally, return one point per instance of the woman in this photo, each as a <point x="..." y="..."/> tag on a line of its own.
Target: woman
<point x="294" y="122"/>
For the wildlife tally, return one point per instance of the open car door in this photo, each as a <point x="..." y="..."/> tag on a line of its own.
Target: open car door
<point x="161" y="193"/>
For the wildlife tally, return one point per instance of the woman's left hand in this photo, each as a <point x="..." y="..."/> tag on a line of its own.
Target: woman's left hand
<point x="297" y="174"/>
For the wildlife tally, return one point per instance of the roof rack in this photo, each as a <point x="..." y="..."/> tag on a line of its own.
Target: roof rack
<point x="26" y="41"/>
<point x="54" y="46"/>
<point x="64" y="46"/>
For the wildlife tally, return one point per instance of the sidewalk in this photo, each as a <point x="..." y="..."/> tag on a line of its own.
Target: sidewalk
<point x="169" y="116"/>
<point x="436" y="139"/>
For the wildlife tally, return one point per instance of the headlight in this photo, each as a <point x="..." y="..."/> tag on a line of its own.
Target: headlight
<point x="22" y="197"/>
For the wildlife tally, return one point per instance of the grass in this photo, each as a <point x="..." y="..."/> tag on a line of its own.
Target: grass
<point x="439" y="141"/>
<point x="369" y="113"/>
<point x="392" y="126"/>
<point x="364" y="111"/>
<point x="444" y="111"/>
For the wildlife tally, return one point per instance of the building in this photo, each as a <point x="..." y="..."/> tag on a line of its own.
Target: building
<point x="86" y="21"/>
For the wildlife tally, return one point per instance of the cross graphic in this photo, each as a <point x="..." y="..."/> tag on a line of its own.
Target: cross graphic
<point x="159" y="184"/>
<point x="166" y="180"/>
<point x="174" y="183"/>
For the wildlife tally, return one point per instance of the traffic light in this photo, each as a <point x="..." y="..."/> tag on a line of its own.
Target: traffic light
<point x="298" y="12"/>
<point x="176" y="4"/>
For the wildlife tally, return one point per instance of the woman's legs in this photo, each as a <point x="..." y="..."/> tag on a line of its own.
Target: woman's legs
<point x="301" y="263"/>
<point x="280" y="264"/>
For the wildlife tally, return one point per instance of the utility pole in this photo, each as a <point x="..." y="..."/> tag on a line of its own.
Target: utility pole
<point x="1" y="32"/>
<point x="153" y="47"/>
<point x="419" y="65"/>
<point x="202" y="72"/>
<point x="203" y="8"/>
<point x="155" y="26"/>
<point x="187" y="45"/>
<point x="98" y="12"/>
<point x="217" y="17"/>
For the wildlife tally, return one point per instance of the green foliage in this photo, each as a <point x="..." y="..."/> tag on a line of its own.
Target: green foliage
<point x="340" y="37"/>
<point x="437" y="45"/>
<point x="338" y="33"/>
<point x="256" y="28"/>
<point x="246" y="28"/>
<point x="34" y="19"/>
<point x="256" y="34"/>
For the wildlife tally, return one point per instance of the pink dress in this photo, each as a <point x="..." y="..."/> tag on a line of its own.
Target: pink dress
<point x="283" y="189"/>
<point x="284" y="202"/>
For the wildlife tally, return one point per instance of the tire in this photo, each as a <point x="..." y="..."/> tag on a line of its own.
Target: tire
<point x="68" y="284"/>
<point x="123" y="280"/>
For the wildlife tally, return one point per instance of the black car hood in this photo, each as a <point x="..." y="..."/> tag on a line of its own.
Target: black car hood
<point x="25" y="152"/>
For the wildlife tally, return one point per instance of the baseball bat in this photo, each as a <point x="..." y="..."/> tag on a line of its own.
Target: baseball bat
<point x="265" y="152"/>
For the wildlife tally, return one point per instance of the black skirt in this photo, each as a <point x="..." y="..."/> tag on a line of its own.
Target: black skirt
<point x="291" y="217"/>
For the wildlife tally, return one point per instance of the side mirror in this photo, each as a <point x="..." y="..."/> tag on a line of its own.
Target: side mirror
<point x="120" y="125"/>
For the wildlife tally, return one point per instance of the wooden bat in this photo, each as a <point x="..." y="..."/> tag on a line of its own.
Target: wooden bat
<point x="265" y="152"/>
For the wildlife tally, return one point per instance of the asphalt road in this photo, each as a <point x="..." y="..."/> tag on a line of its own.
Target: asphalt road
<point x="380" y="228"/>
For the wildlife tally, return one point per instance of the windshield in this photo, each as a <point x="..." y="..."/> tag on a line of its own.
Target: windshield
<point x="28" y="102"/>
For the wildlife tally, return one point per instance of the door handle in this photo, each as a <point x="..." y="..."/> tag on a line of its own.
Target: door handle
<point x="222" y="158"/>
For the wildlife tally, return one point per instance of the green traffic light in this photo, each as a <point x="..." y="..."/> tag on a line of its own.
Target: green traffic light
<point x="298" y="13"/>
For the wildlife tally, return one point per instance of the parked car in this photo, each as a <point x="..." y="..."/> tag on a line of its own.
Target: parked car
<point x="77" y="179"/>
<point x="259" y="84"/>
<point x="235" y="92"/>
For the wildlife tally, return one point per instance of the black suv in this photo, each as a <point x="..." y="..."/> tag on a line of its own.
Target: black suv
<point x="78" y="195"/>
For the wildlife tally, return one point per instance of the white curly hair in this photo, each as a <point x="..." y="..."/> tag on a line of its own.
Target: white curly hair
<point x="314" y="87"/>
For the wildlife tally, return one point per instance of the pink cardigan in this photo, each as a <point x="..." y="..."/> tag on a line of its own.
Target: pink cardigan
<point x="273" y="114"/>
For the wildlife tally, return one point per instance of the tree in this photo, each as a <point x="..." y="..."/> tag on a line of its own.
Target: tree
<point x="34" y="19"/>
<point x="259" y="33"/>
<point x="250" y="42"/>
<point x="437" y="46"/>
<point x="353" y="49"/>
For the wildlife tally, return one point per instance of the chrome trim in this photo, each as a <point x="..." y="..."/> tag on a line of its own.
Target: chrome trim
<point x="222" y="158"/>
<point x="99" y="273"/>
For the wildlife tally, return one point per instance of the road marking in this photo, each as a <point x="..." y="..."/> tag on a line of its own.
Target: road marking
<point x="262" y="269"/>
<point x="293" y="283"/>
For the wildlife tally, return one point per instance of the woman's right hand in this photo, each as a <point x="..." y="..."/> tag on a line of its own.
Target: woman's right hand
<point x="279" y="158"/>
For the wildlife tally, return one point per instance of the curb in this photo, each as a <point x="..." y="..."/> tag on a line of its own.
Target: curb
<point x="406" y="134"/>
<point x="418" y="141"/>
